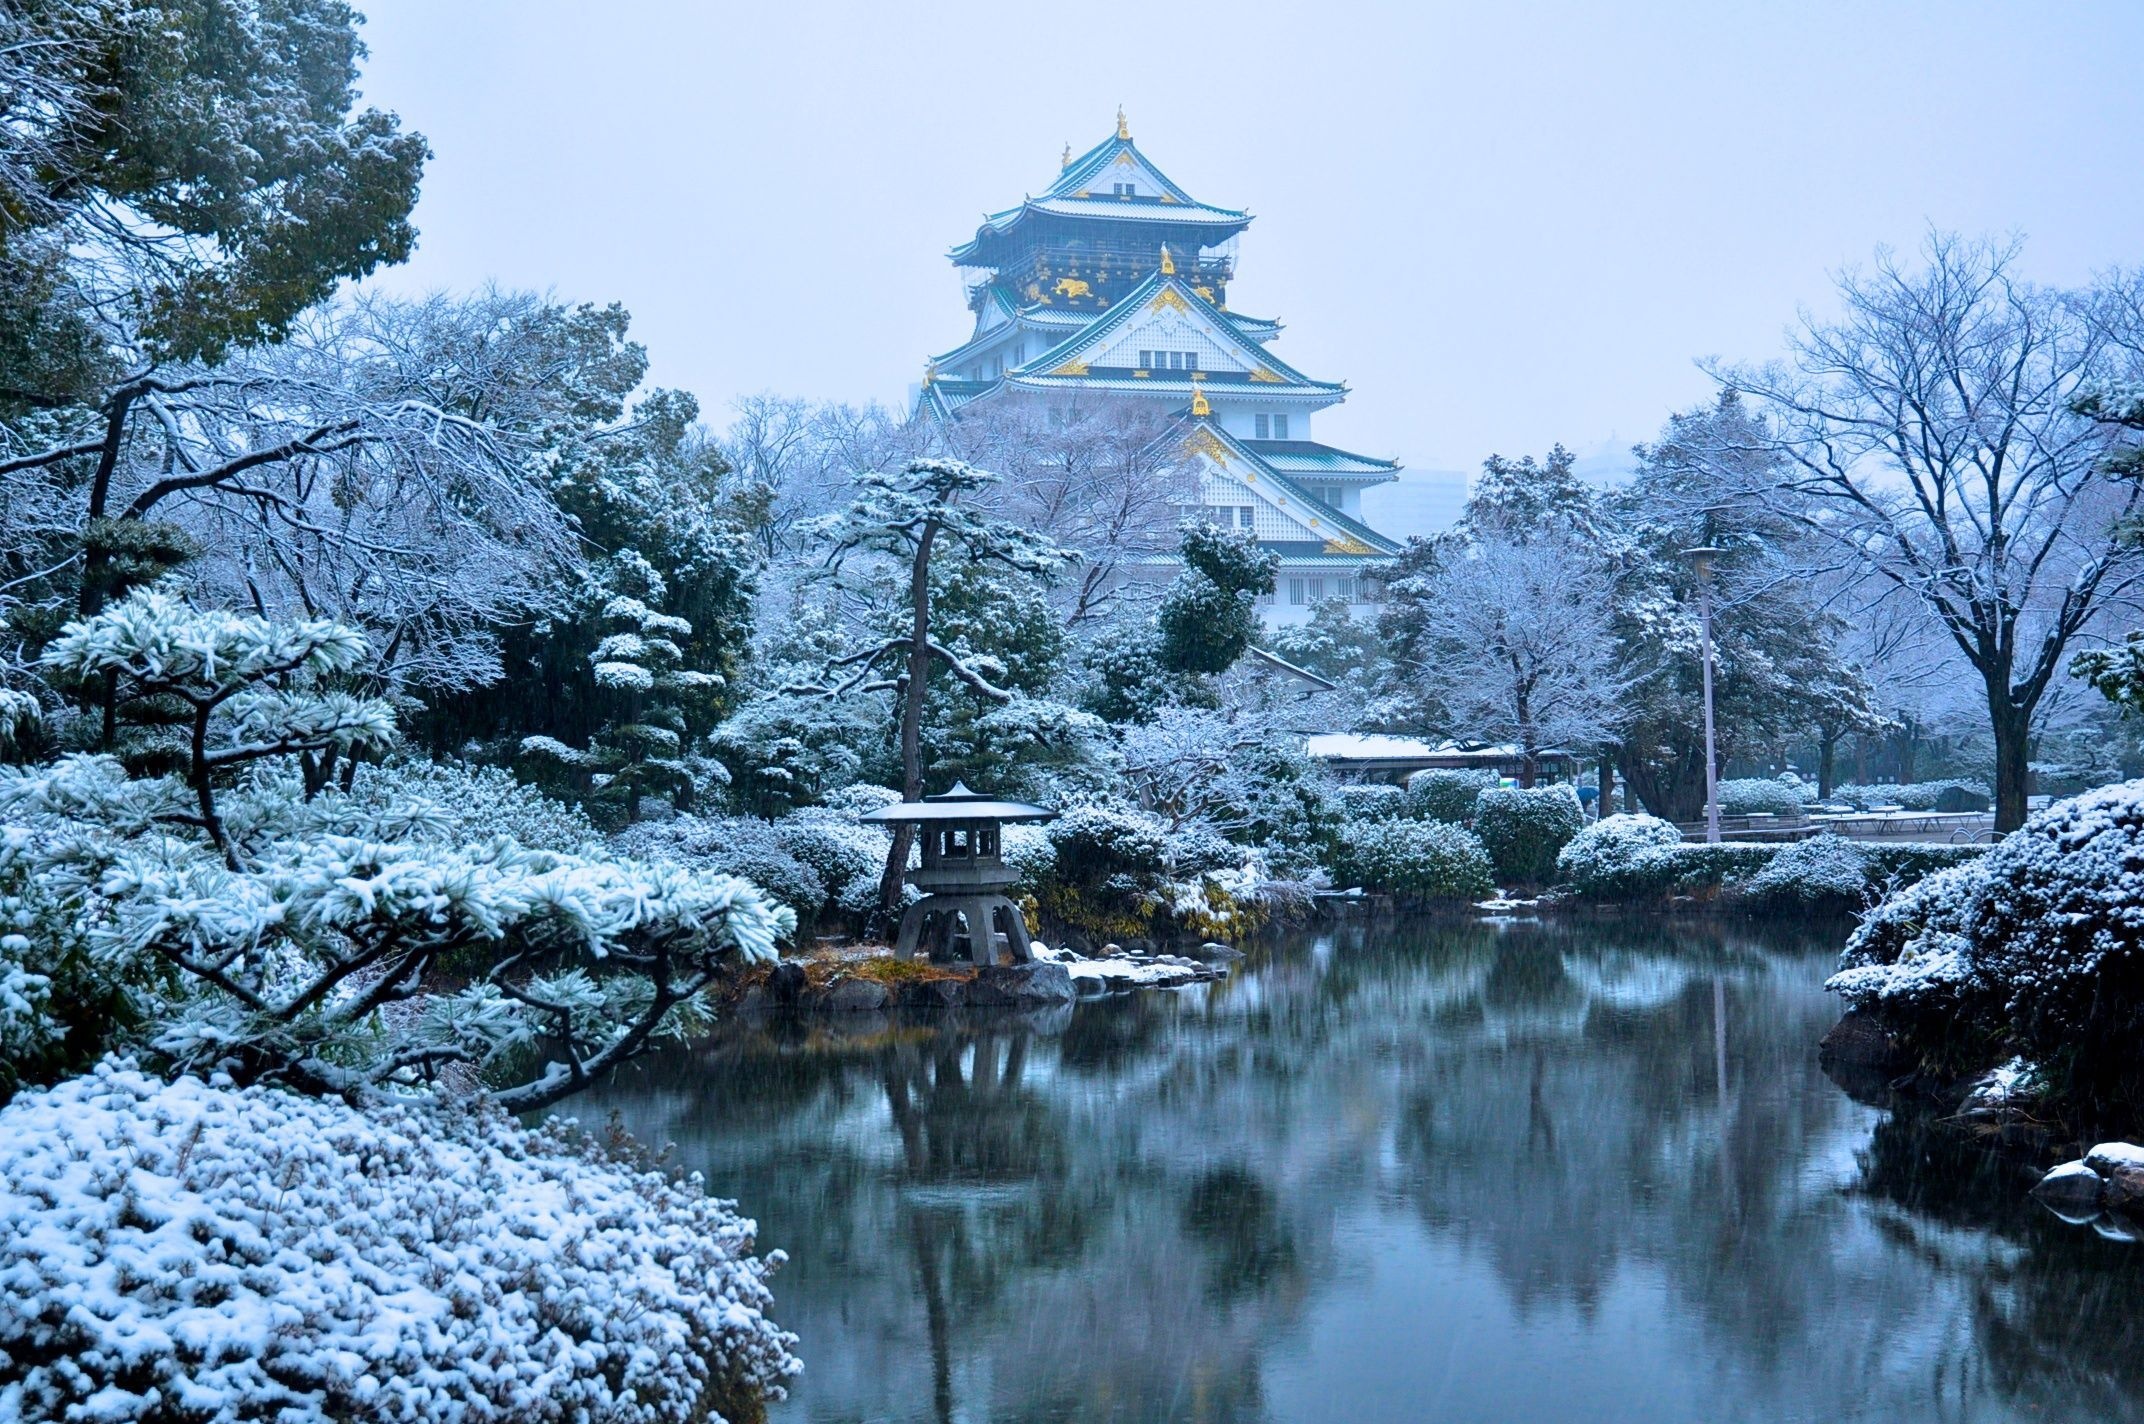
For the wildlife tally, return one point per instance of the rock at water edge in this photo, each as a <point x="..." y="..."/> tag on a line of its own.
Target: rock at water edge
<point x="2071" y="1190"/>
<point x="1024" y="985"/>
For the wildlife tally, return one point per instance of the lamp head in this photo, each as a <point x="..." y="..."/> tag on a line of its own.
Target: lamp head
<point x="1701" y="558"/>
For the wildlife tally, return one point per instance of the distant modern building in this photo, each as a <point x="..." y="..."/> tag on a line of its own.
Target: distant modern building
<point x="1115" y="280"/>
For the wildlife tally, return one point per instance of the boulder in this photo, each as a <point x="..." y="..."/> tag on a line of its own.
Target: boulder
<point x="786" y="984"/>
<point x="1020" y="985"/>
<point x="2121" y="1166"/>
<point x="934" y="993"/>
<point x="1861" y="1041"/>
<point x="2072" y="1191"/>
<point x="853" y="996"/>
<point x="1214" y="952"/>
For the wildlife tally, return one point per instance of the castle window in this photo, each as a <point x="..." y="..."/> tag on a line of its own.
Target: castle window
<point x="1297" y="591"/>
<point x="1245" y="514"/>
<point x="1280" y="427"/>
<point x="1264" y="424"/>
<point x="1344" y="589"/>
<point x="1146" y="360"/>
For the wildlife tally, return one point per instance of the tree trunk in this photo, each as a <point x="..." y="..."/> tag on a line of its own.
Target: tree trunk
<point x="2013" y="762"/>
<point x="1607" y="783"/>
<point x="1827" y="764"/>
<point x="919" y="667"/>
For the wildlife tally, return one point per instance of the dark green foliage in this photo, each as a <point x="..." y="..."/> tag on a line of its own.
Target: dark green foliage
<point x="1127" y="681"/>
<point x="1447" y="795"/>
<point x="229" y="125"/>
<point x="2117" y="672"/>
<point x="1210" y="613"/>
<point x="1419" y="860"/>
<point x="1524" y="829"/>
<point x="1001" y="622"/>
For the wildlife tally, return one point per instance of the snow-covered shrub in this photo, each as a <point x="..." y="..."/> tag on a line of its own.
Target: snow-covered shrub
<point x="1420" y="860"/>
<point x="1607" y="848"/>
<point x="1655" y="872"/>
<point x="1097" y="842"/>
<point x="1827" y="872"/>
<point x="2035" y="949"/>
<point x="1700" y="869"/>
<point x="860" y="796"/>
<point x="1446" y="795"/>
<point x="848" y="856"/>
<point x="180" y="1251"/>
<point x="1372" y="801"/>
<point x="452" y="803"/>
<point x="743" y="846"/>
<point x="1743" y="796"/>
<point x="1112" y="864"/>
<point x="1028" y="851"/>
<point x="1195" y="849"/>
<point x="1903" y="863"/>
<point x="1525" y="830"/>
<point x="1949" y="795"/>
<point x="783" y="749"/>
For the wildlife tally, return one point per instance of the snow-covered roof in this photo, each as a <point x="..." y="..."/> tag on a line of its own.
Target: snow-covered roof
<point x="1078" y="194"/>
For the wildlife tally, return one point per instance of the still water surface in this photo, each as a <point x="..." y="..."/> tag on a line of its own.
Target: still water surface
<point x="1451" y="1172"/>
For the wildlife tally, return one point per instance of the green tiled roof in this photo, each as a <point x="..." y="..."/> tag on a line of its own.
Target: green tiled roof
<point x="1133" y="302"/>
<point x="1063" y="199"/>
<point x="1309" y="457"/>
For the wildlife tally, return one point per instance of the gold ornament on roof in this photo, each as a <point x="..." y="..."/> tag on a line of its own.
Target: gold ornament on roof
<point x="1265" y="377"/>
<point x="1168" y="263"/>
<point x="1124" y="130"/>
<point x="1203" y="442"/>
<point x="1169" y="299"/>
<point x="1066" y="161"/>
<point x="1200" y="409"/>
<point x="930" y="372"/>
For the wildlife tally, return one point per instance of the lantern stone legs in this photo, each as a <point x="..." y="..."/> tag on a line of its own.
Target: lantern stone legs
<point x="936" y="924"/>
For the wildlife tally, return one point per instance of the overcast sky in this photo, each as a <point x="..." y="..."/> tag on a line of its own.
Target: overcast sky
<point x="1503" y="224"/>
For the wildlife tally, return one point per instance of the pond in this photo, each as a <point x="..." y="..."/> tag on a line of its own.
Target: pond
<point x="1450" y="1171"/>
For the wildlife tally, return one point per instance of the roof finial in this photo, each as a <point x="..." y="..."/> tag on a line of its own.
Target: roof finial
<point x="930" y="371"/>
<point x="1066" y="161"/>
<point x="1168" y="263"/>
<point x="1199" y="407"/>
<point x="1124" y="130"/>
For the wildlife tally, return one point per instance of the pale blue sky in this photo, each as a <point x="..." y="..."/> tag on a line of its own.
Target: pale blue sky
<point x="1502" y="224"/>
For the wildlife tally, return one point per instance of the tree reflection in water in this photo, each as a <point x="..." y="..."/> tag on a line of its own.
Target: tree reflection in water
<point x="1461" y="1171"/>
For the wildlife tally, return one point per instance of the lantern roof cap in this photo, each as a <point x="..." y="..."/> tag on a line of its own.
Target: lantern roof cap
<point x="959" y="804"/>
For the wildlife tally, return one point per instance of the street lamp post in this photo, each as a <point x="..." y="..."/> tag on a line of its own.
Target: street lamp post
<point x="1701" y="560"/>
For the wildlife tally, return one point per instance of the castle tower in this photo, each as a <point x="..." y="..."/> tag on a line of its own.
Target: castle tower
<point x="1115" y="280"/>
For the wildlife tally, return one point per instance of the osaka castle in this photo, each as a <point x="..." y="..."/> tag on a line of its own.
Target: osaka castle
<point x="1113" y="283"/>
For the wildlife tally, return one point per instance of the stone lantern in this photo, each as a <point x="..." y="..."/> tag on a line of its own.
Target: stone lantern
<point x="963" y="876"/>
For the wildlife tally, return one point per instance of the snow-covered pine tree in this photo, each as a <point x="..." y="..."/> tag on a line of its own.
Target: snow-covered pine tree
<point x="905" y="519"/>
<point x="654" y="705"/>
<point x="309" y="944"/>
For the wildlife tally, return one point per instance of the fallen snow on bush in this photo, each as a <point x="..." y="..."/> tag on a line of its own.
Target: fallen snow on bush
<point x="2035" y="949"/>
<point x="1610" y="845"/>
<point x="190" y="1252"/>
